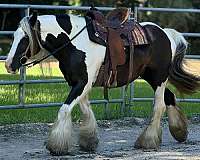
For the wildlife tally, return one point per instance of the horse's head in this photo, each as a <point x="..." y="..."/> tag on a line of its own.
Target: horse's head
<point x="25" y="44"/>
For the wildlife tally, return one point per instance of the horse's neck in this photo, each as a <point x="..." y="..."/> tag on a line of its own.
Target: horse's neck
<point x="77" y="24"/>
<point x="49" y="25"/>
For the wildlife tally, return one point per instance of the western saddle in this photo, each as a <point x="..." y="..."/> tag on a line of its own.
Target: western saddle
<point x="116" y="32"/>
<point x="114" y="19"/>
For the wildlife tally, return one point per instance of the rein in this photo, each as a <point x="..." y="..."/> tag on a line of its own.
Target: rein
<point x="31" y="64"/>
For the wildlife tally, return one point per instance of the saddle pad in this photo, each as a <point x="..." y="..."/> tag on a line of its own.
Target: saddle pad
<point x="139" y="36"/>
<point x="131" y="32"/>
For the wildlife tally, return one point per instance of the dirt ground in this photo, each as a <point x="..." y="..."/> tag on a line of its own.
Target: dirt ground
<point x="27" y="141"/>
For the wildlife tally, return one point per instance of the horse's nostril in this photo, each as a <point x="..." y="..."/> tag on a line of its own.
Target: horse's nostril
<point x="8" y="68"/>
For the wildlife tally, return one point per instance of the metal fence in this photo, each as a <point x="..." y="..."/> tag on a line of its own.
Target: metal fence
<point x="22" y="80"/>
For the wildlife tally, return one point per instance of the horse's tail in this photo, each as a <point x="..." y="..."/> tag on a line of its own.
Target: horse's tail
<point x="183" y="80"/>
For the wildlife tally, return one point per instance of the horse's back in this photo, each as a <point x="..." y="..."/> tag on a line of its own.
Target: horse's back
<point x="160" y="43"/>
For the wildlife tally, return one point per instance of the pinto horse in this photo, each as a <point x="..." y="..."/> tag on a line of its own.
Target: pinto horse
<point x="80" y="60"/>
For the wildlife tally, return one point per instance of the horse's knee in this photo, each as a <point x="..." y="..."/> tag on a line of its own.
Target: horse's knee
<point x="176" y="119"/>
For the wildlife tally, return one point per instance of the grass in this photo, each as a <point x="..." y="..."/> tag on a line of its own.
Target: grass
<point x="45" y="93"/>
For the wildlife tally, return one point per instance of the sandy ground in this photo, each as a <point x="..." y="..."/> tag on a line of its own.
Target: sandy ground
<point x="24" y="142"/>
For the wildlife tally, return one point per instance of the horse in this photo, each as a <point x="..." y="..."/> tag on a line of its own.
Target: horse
<point x="80" y="60"/>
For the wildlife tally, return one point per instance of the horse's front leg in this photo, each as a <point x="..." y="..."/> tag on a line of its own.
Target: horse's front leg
<point x="88" y="140"/>
<point x="60" y="137"/>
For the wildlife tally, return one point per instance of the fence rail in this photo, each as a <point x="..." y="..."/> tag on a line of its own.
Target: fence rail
<point x="22" y="80"/>
<point x="176" y="10"/>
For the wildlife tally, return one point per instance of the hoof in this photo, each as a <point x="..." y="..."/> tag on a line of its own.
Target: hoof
<point x="60" y="138"/>
<point x="88" y="143"/>
<point x="57" y="151"/>
<point x="150" y="139"/>
<point x="57" y="147"/>
<point x="177" y="124"/>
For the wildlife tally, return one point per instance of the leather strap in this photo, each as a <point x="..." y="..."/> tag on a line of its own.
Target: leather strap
<point x="130" y="76"/>
<point x="116" y="53"/>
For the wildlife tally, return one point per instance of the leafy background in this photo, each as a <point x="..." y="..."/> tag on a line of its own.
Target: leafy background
<point x="183" y="22"/>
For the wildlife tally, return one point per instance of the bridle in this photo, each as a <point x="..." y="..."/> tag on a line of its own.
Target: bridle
<point x="34" y="42"/>
<point x="35" y="37"/>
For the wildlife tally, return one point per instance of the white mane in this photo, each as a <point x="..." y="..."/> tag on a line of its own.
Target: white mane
<point x="24" y="24"/>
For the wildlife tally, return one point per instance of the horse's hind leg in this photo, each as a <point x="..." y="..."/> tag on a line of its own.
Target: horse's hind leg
<point x="177" y="120"/>
<point x="151" y="137"/>
<point x="88" y="140"/>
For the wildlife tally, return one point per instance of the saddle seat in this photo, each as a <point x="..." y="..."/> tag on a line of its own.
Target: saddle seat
<point x="117" y="17"/>
<point x="114" y="19"/>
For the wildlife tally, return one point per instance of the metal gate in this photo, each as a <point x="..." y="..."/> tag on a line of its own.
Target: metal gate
<point x="22" y="80"/>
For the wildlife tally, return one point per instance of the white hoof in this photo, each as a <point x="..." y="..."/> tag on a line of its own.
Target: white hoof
<point x="150" y="138"/>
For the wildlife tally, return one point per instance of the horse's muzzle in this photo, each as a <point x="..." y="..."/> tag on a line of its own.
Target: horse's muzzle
<point x="9" y="69"/>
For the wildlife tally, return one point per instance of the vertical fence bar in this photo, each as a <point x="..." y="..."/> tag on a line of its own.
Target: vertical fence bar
<point x="23" y="74"/>
<point x="132" y="90"/>
<point x="136" y="13"/>
<point x="106" y="110"/>
<point x="128" y="98"/>
<point x="22" y="86"/>
<point x="27" y="11"/>
<point x="123" y="104"/>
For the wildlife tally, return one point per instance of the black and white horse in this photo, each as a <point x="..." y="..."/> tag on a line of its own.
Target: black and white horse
<point x="80" y="61"/>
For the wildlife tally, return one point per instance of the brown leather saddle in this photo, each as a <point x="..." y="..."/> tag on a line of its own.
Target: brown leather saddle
<point x="115" y="31"/>
<point x="114" y="19"/>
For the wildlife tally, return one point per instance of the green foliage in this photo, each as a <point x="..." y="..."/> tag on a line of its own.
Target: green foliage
<point x="46" y="93"/>
<point x="183" y="22"/>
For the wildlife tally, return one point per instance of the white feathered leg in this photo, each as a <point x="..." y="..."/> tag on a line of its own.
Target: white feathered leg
<point x="151" y="137"/>
<point x="88" y="129"/>
<point x="60" y="137"/>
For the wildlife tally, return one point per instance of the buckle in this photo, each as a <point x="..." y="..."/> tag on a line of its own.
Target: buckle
<point x="23" y="60"/>
<point x="96" y="34"/>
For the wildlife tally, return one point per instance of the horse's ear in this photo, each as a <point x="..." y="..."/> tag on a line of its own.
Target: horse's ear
<point x="33" y="18"/>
